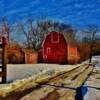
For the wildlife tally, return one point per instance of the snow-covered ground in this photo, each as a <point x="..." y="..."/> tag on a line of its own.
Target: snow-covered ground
<point x="93" y="83"/>
<point x="21" y="71"/>
<point x="97" y="60"/>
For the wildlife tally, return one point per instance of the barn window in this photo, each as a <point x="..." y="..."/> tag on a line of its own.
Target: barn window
<point x="55" y="38"/>
<point x="48" y="50"/>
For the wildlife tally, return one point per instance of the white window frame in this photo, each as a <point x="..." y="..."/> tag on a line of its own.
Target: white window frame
<point x="48" y="50"/>
<point x="53" y="41"/>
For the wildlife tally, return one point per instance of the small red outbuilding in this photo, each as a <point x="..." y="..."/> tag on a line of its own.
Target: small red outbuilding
<point x="73" y="55"/>
<point x="54" y="49"/>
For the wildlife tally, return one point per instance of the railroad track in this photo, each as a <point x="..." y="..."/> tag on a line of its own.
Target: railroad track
<point x="62" y="87"/>
<point x="65" y="86"/>
<point x="69" y="76"/>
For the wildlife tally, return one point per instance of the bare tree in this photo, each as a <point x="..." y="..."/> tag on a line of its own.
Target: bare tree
<point x="68" y="31"/>
<point x="35" y="31"/>
<point x="5" y="29"/>
<point x="90" y="37"/>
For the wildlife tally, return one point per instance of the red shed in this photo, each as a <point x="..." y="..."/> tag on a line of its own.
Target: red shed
<point x="54" y="49"/>
<point x="73" y="55"/>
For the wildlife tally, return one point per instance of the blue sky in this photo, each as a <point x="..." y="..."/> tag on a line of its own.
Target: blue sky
<point x="79" y="13"/>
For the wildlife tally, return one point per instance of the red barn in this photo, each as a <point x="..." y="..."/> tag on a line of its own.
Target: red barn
<point x="54" y="49"/>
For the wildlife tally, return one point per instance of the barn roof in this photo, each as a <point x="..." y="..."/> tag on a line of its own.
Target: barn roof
<point x="53" y="32"/>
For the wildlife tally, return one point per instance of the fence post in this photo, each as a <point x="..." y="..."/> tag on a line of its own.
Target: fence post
<point x="4" y="61"/>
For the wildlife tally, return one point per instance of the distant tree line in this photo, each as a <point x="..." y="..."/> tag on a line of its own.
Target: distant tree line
<point x="90" y="41"/>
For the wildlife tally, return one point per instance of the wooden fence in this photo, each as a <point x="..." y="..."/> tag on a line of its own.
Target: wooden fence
<point x="3" y="67"/>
